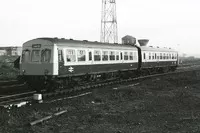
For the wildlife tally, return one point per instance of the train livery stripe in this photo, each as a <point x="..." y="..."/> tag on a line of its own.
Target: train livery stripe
<point x="99" y="68"/>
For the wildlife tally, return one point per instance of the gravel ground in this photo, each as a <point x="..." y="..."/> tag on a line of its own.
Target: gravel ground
<point x="164" y="104"/>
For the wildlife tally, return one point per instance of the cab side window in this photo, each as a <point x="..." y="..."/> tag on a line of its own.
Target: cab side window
<point x="26" y="56"/>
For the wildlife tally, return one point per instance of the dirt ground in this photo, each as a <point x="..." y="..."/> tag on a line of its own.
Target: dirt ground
<point x="168" y="104"/>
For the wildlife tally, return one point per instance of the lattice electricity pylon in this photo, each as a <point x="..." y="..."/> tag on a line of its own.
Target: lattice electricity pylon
<point x="109" y="22"/>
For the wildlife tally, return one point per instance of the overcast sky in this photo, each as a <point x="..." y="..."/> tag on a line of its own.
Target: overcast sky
<point x="166" y="23"/>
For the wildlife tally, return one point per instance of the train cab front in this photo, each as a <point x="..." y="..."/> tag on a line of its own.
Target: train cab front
<point x="37" y="64"/>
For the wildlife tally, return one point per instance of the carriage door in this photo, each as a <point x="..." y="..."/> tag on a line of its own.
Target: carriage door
<point x="121" y="56"/>
<point x="157" y="59"/>
<point x="90" y="59"/>
<point x="60" y="60"/>
<point x="144" y="59"/>
<point x="90" y="56"/>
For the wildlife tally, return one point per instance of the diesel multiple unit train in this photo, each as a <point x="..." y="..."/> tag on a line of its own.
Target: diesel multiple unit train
<point x="52" y="62"/>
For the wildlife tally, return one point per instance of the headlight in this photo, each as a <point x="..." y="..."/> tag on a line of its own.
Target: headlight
<point x="46" y="71"/>
<point x="23" y="71"/>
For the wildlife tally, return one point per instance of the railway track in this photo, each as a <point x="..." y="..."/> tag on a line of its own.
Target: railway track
<point x="86" y="88"/>
<point x="11" y="99"/>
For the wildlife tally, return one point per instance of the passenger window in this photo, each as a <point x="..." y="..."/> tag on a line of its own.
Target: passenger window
<point x="117" y="55"/>
<point x="131" y="55"/>
<point x="160" y="55"/>
<point x="121" y="54"/>
<point x="46" y="55"/>
<point x="144" y="56"/>
<point x="170" y="57"/>
<point x="112" y="55"/>
<point x="35" y="56"/>
<point x="71" y="55"/>
<point x="105" y="55"/>
<point x="81" y="55"/>
<point x="149" y="56"/>
<point x="25" y="56"/>
<point x="97" y="55"/>
<point x="164" y="56"/>
<point x="155" y="55"/>
<point x="125" y="55"/>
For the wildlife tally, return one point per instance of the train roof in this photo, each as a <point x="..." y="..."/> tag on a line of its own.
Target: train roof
<point x="62" y="42"/>
<point x="85" y="43"/>
<point x="156" y="49"/>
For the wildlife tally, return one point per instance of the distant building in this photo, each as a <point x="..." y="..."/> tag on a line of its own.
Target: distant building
<point x="10" y="51"/>
<point x="129" y="40"/>
<point x="2" y="52"/>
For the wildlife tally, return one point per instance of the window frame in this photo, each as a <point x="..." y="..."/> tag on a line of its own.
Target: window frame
<point x="161" y="56"/>
<point x="23" y="55"/>
<point x="105" y="55"/>
<point x="149" y="55"/>
<point x="117" y="55"/>
<point x="126" y="59"/>
<point x="43" y="52"/>
<point x="39" y="55"/>
<point x="131" y="56"/>
<point x="66" y="54"/>
<point x="100" y="59"/>
<point x="112" y="56"/>
<point x="77" y="55"/>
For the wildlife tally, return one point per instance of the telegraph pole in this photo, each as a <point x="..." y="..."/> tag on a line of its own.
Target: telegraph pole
<point x="109" y="22"/>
